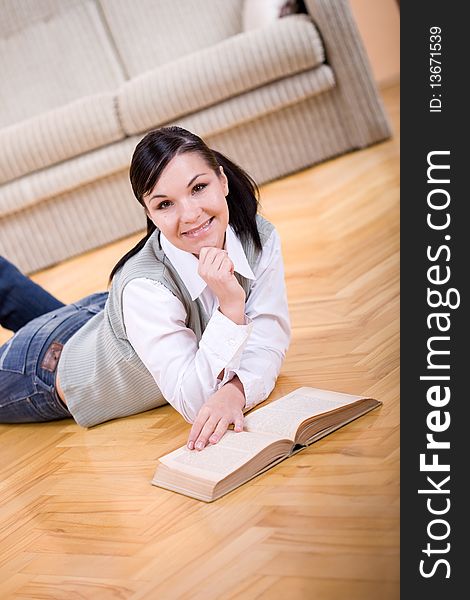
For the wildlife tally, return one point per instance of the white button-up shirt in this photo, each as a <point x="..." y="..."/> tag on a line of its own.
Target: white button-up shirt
<point x="187" y="373"/>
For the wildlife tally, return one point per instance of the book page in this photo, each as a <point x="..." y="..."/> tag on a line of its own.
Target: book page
<point x="283" y="416"/>
<point x="219" y="460"/>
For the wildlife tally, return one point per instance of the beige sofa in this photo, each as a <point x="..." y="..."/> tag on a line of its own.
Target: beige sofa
<point x="83" y="80"/>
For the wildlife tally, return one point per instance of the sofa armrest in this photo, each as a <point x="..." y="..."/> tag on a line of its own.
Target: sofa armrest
<point x="357" y="92"/>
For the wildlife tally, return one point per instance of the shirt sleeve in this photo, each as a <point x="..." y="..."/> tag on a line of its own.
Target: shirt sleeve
<point x="185" y="372"/>
<point x="267" y="307"/>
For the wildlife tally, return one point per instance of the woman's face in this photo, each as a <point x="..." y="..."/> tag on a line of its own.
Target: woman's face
<point x="188" y="203"/>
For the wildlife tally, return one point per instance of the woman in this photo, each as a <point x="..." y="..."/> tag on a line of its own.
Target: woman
<point x="196" y="313"/>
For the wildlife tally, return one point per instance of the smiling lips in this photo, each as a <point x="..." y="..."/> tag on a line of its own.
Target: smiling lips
<point x="198" y="230"/>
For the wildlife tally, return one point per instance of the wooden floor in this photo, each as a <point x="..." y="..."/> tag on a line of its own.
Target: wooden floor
<point x="78" y="515"/>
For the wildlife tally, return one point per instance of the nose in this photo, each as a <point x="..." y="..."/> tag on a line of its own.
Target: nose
<point x="190" y="210"/>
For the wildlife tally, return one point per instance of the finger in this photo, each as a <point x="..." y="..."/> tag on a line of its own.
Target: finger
<point x="204" y="256"/>
<point x="239" y="422"/>
<point x="226" y="265"/>
<point x="220" y="266"/>
<point x="196" y="428"/>
<point x="204" y="251"/>
<point x="208" y="254"/>
<point x="221" y="428"/>
<point x="221" y="263"/>
<point x="206" y="432"/>
<point x="206" y="260"/>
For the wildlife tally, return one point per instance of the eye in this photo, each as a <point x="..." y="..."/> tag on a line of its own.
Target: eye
<point x="199" y="187"/>
<point x="163" y="204"/>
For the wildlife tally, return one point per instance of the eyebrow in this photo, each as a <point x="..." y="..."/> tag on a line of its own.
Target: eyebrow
<point x="189" y="185"/>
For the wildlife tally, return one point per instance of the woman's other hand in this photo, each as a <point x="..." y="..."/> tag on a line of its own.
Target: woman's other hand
<point x="216" y="268"/>
<point x="216" y="415"/>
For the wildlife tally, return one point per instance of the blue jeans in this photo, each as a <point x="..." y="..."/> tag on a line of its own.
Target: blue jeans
<point x="28" y="361"/>
<point x="21" y="300"/>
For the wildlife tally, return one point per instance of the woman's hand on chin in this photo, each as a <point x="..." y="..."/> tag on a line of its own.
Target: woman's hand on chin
<point x="217" y="270"/>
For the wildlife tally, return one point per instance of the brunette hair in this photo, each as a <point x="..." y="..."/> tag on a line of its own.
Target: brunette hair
<point x="153" y="153"/>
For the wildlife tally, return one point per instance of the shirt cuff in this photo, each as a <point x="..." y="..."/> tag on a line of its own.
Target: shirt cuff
<point x="225" y="341"/>
<point x="253" y="387"/>
<point x="228" y="376"/>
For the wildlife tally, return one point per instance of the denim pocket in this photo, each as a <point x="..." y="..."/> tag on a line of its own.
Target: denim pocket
<point x="28" y="343"/>
<point x="14" y="357"/>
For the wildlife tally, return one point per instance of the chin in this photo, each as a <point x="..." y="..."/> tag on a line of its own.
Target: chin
<point x="195" y="248"/>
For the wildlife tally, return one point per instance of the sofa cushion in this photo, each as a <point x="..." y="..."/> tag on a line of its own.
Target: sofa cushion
<point x="58" y="135"/>
<point x="59" y="58"/>
<point x="258" y="103"/>
<point x="236" y="65"/>
<point x="149" y="33"/>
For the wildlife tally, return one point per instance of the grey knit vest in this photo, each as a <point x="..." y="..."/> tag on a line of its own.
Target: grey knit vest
<point x="100" y="373"/>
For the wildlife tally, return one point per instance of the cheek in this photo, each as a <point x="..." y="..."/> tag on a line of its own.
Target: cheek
<point x="224" y="211"/>
<point x="161" y="218"/>
<point x="219" y="205"/>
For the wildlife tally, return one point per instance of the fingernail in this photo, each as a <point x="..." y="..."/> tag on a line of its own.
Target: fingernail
<point x="213" y="439"/>
<point x="190" y="445"/>
<point x="199" y="445"/>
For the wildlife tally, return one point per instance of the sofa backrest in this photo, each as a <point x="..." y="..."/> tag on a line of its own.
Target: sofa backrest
<point x="149" y="33"/>
<point x="18" y="14"/>
<point x="52" y="53"/>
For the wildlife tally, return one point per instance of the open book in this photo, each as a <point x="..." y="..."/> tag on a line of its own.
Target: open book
<point x="271" y="434"/>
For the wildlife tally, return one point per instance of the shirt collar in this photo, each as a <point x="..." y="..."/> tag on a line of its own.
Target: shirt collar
<point x="186" y="264"/>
